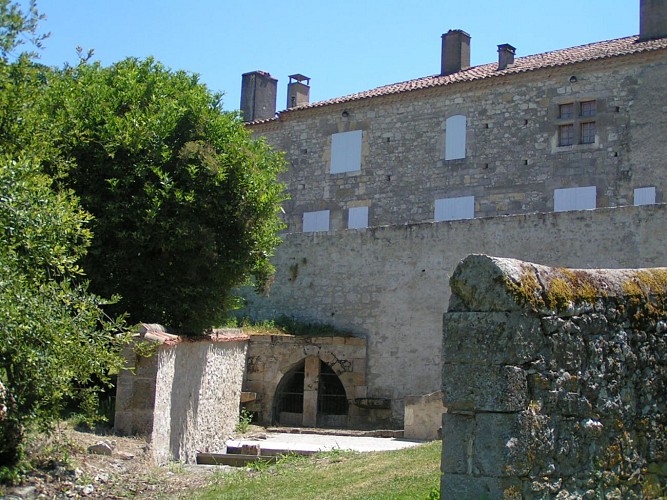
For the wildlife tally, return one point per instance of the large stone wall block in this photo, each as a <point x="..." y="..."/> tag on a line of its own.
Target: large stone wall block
<point x="463" y="487"/>
<point x="467" y="336"/>
<point x="484" y="388"/>
<point x="511" y="444"/>
<point x="458" y="434"/>
<point x="423" y="416"/>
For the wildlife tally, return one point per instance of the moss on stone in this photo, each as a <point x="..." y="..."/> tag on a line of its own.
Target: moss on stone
<point x="647" y="295"/>
<point x="526" y="291"/>
<point x="645" y="291"/>
<point x="564" y="287"/>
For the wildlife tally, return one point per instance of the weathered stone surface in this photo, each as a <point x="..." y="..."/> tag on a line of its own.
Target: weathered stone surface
<point x="176" y="395"/>
<point x="522" y="335"/>
<point x="484" y="388"/>
<point x="508" y="444"/>
<point x="423" y="416"/>
<point x="270" y="361"/>
<point x="595" y="414"/>
<point x="197" y="396"/>
<point x="458" y="434"/>
<point x="463" y="487"/>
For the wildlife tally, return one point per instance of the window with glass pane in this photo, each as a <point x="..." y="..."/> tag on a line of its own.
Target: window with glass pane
<point x="566" y="111"/>
<point x="566" y="135"/>
<point x="587" y="108"/>
<point x="587" y="133"/>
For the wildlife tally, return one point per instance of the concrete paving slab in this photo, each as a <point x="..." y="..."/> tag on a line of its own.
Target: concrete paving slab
<point x="319" y="442"/>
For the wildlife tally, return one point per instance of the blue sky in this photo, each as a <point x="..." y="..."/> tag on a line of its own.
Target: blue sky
<point x="344" y="46"/>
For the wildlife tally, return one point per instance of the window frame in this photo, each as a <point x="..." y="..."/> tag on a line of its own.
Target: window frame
<point x="576" y="123"/>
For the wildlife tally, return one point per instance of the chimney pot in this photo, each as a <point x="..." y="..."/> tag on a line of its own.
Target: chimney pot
<point x="652" y="19"/>
<point x="455" y="52"/>
<point x="298" y="93"/>
<point x="505" y="55"/>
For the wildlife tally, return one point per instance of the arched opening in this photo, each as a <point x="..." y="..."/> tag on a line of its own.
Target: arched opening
<point x="331" y="397"/>
<point x="326" y="399"/>
<point x="288" y="401"/>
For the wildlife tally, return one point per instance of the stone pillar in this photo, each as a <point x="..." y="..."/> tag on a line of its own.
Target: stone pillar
<point x="311" y="381"/>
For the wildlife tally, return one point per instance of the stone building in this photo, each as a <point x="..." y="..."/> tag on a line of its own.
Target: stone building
<point x="391" y="187"/>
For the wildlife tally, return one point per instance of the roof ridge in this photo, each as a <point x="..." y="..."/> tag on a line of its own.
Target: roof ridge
<point x="554" y="58"/>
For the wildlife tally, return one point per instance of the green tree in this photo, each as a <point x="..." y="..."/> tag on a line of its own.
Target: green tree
<point x="56" y="344"/>
<point x="185" y="202"/>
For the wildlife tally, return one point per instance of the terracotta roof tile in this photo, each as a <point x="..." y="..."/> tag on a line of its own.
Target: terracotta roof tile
<point x="228" y="335"/>
<point x="158" y="334"/>
<point x="582" y="53"/>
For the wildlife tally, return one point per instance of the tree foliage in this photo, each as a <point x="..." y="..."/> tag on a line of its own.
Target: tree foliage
<point x="18" y="27"/>
<point x="185" y="202"/>
<point x="133" y="174"/>
<point x="55" y="343"/>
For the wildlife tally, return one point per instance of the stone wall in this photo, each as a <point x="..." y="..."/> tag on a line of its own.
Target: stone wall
<point x="513" y="162"/>
<point x="185" y="396"/>
<point x="389" y="284"/>
<point x="555" y="382"/>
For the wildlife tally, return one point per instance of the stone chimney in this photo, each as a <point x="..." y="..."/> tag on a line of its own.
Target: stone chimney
<point x="258" y="96"/>
<point x="298" y="93"/>
<point x="652" y="19"/>
<point x="505" y="56"/>
<point x="455" y="52"/>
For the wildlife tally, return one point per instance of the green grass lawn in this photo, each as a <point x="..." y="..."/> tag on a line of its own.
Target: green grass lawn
<point x="410" y="473"/>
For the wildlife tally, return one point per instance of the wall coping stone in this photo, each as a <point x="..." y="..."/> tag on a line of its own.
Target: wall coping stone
<point x="485" y="284"/>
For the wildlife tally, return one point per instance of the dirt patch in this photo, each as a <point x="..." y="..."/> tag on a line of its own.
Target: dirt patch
<point x="66" y="469"/>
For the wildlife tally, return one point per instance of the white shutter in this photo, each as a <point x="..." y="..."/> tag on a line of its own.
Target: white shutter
<point x="316" y="221"/>
<point x="357" y="217"/>
<point x="346" y="152"/>
<point x="454" y="208"/>
<point x="645" y="196"/>
<point x="579" y="198"/>
<point x="455" y="137"/>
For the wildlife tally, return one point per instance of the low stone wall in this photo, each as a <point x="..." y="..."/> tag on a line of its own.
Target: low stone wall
<point x="185" y="396"/>
<point x="423" y="416"/>
<point x="555" y="381"/>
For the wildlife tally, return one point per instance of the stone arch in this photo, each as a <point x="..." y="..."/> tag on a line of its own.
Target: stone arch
<point x="288" y="394"/>
<point x="311" y="393"/>
<point x="271" y="358"/>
